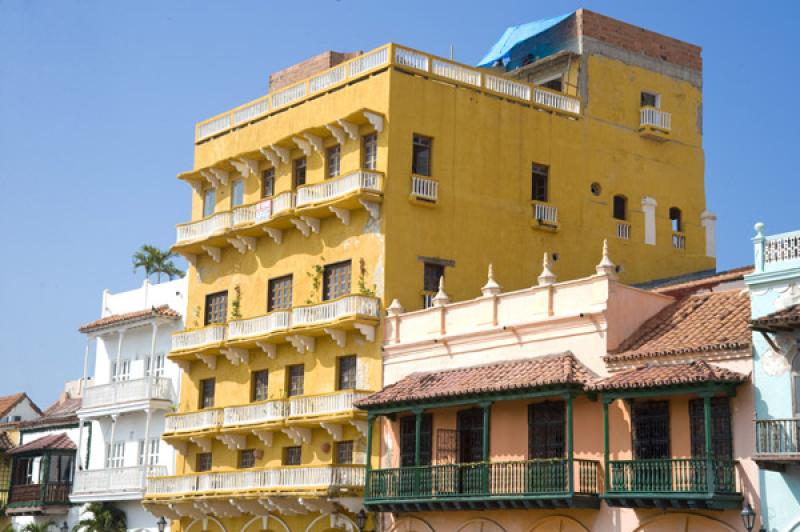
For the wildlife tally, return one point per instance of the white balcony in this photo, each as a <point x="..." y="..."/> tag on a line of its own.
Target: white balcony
<point x="272" y="479"/>
<point x="623" y="231"/>
<point x="113" y="483"/>
<point x="257" y="413"/>
<point x="424" y="188"/>
<point x="556" y="100"/>
<point x="352" y="306"/>
<point x="205" y="228"/>
<point x="678" y="240"/>
<point x="324" y="405"/>
<point x="194" y="421"/>
<point x="125" y="394"/>
<point x="264" y="210"/>
<point x="211" y="335"/>
<point x="545" y="213"/>
<point x="655" y="118"/>
<point x="259" y="326"/>
<point x="340" y="187"/>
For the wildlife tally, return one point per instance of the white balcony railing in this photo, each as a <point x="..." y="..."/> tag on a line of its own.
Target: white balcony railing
<point x="326" y="79"/>
<point x="545" y="213"/>
<point x="274" y="321"/>
<point x="456" y="72"/>
<point x="334" y="310"/>
<point x="368" y="61"/>
<point x="508" y="87"/>
<point x="339" y="187"/>
<point x="678" y="240"/>
<point x="424" y="188"/>
<point x="623" y="230"/>
<point x="782" y="248"/>
<point x="343" y="476"/>
<point x="556" y="100"/>
<point x="412" y="59"/>
<point x="99" y="482"/>
<point x="650" y="116"/>
<point x="144" y="389"/>
<point x="263" y="412"/>
<point x="204" y="228"/>
<point x="193" y="421"/>
<point x="316" y="405"/>
<point x="199" y="337"/>
<point x="212" y="127"/>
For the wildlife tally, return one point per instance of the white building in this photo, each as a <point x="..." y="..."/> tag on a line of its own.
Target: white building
<point x="133" y="386"/>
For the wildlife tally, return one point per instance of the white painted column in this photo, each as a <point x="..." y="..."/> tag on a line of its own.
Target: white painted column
<point x="649" y="209"/>
<point x="149" y="413"/>
<point x="79" y="453"/>
<point x="709" y="221"/>
<point x="119" y="353"/>
<point x="111" y="439"/>
<point x="150" y="379"/>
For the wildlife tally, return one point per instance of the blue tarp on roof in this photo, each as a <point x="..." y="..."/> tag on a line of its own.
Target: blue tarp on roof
<point x="516" y="35"/>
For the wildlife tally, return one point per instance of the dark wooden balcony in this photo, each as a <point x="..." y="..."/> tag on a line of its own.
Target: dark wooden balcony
<point x="555" y="483"/>
<point x="29" y="499"/>
<point x="777" y="443"/>
<point x="673" y="483"/>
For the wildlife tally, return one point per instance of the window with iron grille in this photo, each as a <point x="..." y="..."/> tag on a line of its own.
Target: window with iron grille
<point x="207" y="393"/>
<point x="237" y="192"/>
<point x="721" y="434"/>
<point x="260" y="382"/>
<point x="344" y="452"/>
<point x="279" y="293"/>
<point x="408" y="434"/>
<point x="216" y="308"/>
<point x="268" y="183"/>
<point x="347" y="373"/>
<point x="299" y="172"/>
<point x="431" y="275"/>
<point x="209" y="201"/>
<point x="333" y="157"/>
<point x="292" y="456"/>
<point x="539" y="182"/>
<point x="469" y="424"/>
<point x="650" y="420"/>
<point x="620" y="207"/>
<point x="296" y="376"/>
<point x="370" y="151"/>
<point x="202" y="462"/>
<point x="446" y="446"/>
<point x="546" y="430"/>
<point x="336" y="280"/>
<point x="247" y="458"/>
<point x="421" y="155"/>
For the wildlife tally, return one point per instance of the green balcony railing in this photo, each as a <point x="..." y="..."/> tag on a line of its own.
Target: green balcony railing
<point x="671" y="477"/>
<point x="494" y="479"/>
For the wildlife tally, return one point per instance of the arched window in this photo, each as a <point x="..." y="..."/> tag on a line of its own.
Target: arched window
<point x="675" y="218"/>
<point x="620" y="207"/>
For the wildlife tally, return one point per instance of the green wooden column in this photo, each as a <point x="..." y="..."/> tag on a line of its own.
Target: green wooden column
<point x="370" y="422"/>
<point x="570" y="464"/>
<point x="44" y="477"/>
<point x="487" y="408"/>
<point x="606" y="465"/>
<point x="710" y="474"/>
<point x="417" y="449"/>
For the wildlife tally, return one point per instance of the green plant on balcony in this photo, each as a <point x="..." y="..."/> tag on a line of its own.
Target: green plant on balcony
<point x="236" y="304"/>
<point x="316" y="280"/>
<point x="362" y="274"/>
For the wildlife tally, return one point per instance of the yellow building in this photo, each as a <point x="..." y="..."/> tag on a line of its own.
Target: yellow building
<point x="363" y="178"/>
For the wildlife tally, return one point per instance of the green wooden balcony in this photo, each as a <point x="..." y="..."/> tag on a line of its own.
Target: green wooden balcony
<point x="482" y="485"/>
<point x="677" y="482"/>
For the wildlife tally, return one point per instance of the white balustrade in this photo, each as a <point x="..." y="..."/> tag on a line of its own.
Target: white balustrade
<point x="456" y="72"/>
<point x="281" y="203"/>
<point x="251" y="111"/>
<point x="335" y="310"/>
<point x="623" y="230"/>
<point x="326" y="79"/>
<point x="424" y="188"/>
<point x="780" y="248"/>
<point x="650" y="116"/>
<point x="339" y="187"/>
<point x="678" y="240"/>
<point x="144" y="389"/>
<point x="288" y="95"/>
<point x="193" y="421"/>
<point x="114" y="480"/>
<point x="274" y="321"/>
<point x="411" y="59"/>
<point x="508" y="87"/>
<point x="342" y="476"/>
<point x="368" y="61"/>
<point x="245" y="214"/>
<point x="315" y="405"/>
<point x="255" y="413"/>
<point x="544" y="212"/>
<point x="199" y="337"/>
<point x="556" y="100"/>
<point x="204" y="228"/>
<point x="212" y="127"/>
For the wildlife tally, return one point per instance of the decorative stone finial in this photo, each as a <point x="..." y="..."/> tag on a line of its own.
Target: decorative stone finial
<point x="441" y="298"/>
<point x="395" y="309"/>
<point x="759" y="227"/>
<point x="606" y="267"/>
<point x="491" y="288"/>
<point x="547" y="277"/>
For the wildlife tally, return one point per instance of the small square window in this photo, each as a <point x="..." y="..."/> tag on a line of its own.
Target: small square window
<point x="279" y="294"/>
<point x="344" y="452"/>
<point x="247" y="458"/>
<point x="202" y="462"/>
<point x="207" y="393"/>
<point x="347" y="373"/>
<point x="260" y="383"/>
<point x="296" y="375"/>
<point x="216" y="308"/>
<point x="431" y="275"/>
<point x="336" y="280"/>
<point x="650" y="99"/>
<point x="292" y="456"/>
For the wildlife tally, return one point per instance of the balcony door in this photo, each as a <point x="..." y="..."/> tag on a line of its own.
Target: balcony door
<point x="546" y="428"/>
<point x="336" y="280"/>
<point x="651" y="441"/>
<point x="216" y="308"/>
<point x="469" y="424"/>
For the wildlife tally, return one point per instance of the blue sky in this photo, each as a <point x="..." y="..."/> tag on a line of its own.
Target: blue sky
<point x="98" y="102"/>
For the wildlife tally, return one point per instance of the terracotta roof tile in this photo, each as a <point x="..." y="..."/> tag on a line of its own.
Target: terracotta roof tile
<point x="52" y="442"/>
<point x="116" y="319"/>
<point x="786" y="319"/>
<point x="711" y="321"/>
<point x="655" y="376"/>
<point x="687" y="287"/>
<point x="515" y="375"/>
<point x="59" y="413"/>
<point x="10" y="401"/>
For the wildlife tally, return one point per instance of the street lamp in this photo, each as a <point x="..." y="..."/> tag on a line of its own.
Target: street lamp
<point x="64" y="527"/>
<point x="361" y="520"/>
<point x="162" y="524"/>
<point x="748" y="517"/>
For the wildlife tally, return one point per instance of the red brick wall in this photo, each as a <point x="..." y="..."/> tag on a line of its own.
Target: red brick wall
<point x="635" y="39"/>
<point x="308" y="68"/>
